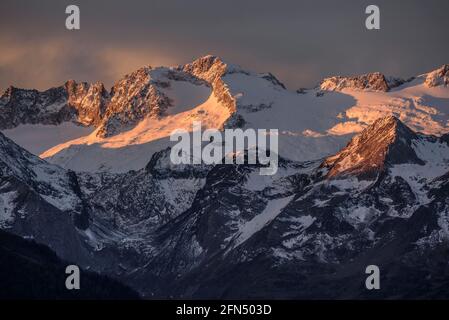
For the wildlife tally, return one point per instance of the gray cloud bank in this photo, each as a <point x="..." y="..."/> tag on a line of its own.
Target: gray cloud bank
<point x="299" y="41"/>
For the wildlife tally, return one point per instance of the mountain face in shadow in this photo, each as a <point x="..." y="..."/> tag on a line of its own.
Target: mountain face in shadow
<point x="224" y="231"/>
<point x="32" y="271"/>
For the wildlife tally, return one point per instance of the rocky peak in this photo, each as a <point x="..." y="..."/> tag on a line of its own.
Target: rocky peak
<point x="89" y="100"/>
<point x="20" y="106"/>
<point x="78" y="102"/>
<point x="9" y="92"/>
<point x="134" y="97"/>
<point x="209" y="68"/>
<point x="438" y="77"/>
<point x="370" y="81"/>
<point x="386" y="142"/>
<point x="212" y="69"/>
<point x="394" y="82"/>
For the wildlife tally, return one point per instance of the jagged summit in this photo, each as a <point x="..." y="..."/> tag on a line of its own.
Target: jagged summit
<point x="386" y="142"/>
<point x="376" y="81"/>
<point x="88" y="100"/>
<point x="133" y="97"/>
<point x="145" y="93"/>
<point x="370" y="81"/>
<point x="209" y="68"/>
<point x="438" y="77"/>
<point x="8" y="92"/>
<point x="79" y="102"/>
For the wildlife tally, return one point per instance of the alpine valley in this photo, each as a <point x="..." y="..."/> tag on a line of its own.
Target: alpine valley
<point x="363" y="179"/>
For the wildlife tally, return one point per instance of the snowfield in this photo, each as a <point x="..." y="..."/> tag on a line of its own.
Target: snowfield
<point x="37" y="138"/>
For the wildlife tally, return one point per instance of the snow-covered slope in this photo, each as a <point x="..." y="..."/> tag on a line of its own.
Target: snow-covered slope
<point x="38" y="138"/>
<point x="52" y="183"/>
<point x="133" y="149"/>
<point x="146" y="106"/>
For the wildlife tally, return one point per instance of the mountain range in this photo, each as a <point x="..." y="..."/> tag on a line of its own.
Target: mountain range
<point x="363" y="180"/>
<point x="84" y="127"/>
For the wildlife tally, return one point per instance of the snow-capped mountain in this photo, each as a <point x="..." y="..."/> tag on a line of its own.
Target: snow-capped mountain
<point x="122" y="129"/>
<point x="224" y="231"/>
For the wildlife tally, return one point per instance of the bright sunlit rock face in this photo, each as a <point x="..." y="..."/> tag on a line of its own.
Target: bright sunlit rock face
<point x="387" y="141"/>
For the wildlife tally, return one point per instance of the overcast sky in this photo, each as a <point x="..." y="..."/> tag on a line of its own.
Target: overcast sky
<point x="299" y="41"/>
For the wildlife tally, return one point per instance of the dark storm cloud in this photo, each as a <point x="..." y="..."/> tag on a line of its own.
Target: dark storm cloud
<point x="300" y="41"/>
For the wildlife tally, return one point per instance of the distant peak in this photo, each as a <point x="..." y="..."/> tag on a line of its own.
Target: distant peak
<point x="209" y="57"/>
<point x="441" y="70"/>
<point x="438" y="77"/>
<point x="13" y="93"/>
<point x="375" y="81"/>
<point x="208" y="68"/>
<point x="70" y="82"/>
<point x="8" y="92"/>
<point x="385" y="142"/>
<point x="206" y="62"/>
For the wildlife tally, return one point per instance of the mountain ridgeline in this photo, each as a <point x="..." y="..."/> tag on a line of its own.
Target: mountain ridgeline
<point x="84" y="127"/>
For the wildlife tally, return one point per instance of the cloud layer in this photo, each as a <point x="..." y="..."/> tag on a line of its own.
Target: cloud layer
<point x="299" y="41"/>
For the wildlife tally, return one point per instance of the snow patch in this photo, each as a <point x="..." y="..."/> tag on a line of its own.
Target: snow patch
<point x="271" y="211"/>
